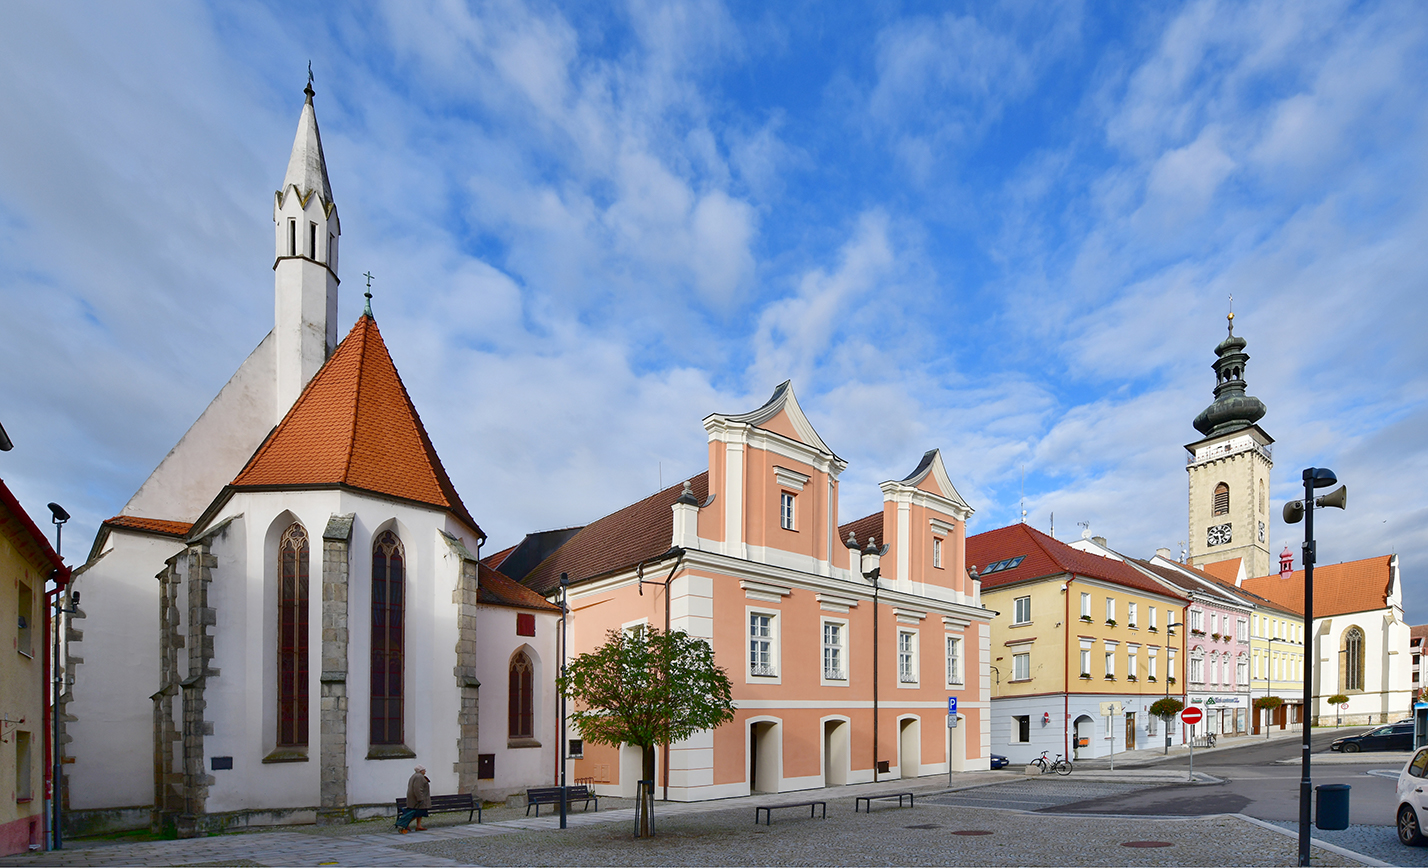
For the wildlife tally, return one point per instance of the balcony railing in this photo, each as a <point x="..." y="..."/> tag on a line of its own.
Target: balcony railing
<point x="761" y="669"/>
<point x="834" y="675"/>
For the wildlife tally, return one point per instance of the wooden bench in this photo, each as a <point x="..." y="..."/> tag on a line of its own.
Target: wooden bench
<point x="538" y="796"/>
<point x="868" y="800"/>
<point x="450" y="804"/>
<point x="769" y="809"/>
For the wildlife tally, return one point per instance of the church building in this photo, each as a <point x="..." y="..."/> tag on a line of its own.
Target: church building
<point x="288" y="615"/>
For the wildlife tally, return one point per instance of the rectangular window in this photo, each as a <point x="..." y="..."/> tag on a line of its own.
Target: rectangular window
<point x="1150" y="667"/>
<point x="1086" y="662"/>
<point x="24" y="638"/>
<point x="1021" y="667"/>
<point x="1197" y="670"/>
<point x="1110" y="609"/>
<point x="1110" y="664"/>
<point x="936" y="553"/>
<point x="312" y="240"/>
<point x="331" y="254"/>
<point x="24" y="791"/>
<point x="1170" y="664"/>
<point x="292" y="238"/>
<point x="906" y="658"/>
<point x="525" y="624"/>
<point x="786" y="511"/>
<point x="1130" y="614"/>
<point x="1241" y="630"/>
<point x="1151" y="613"/>
<point x="833" y="651"/>
<point x="1242" y="673"/>
<point x="1197" y="620"/>
<point x="761" y="660"/>
<point x="1132" y="658"/>
<point x="1021" y="610"/>
<point x="1021" y="729"/>
<point x="954" y="660"/>
<point x="1086" y="606"/>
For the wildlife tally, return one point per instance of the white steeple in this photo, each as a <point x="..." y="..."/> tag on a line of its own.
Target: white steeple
<point x="305" y="267"/>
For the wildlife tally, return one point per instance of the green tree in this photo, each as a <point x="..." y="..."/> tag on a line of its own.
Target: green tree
<point x="647" y="687"/>
<point x="1166" y="707"/>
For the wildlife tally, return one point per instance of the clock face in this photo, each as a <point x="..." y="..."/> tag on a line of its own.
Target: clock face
<point x="1261" y="531"/>
<point x="1218" y="535"/>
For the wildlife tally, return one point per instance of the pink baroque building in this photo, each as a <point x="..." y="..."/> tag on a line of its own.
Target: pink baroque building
<point x="751" y="556"/>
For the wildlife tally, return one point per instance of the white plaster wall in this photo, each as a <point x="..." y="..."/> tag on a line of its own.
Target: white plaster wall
<point x="113" y="732"/>
<point x="216" y="446"/>
<point x="1056" y="737"/>
<point x="496" y="642"/>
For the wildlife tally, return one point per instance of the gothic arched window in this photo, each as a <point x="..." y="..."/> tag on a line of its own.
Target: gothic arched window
<point x="522" y="701"/>
<point x="1222" y="499"/>
<point x="388" y="639"/>
<point x="1352" y="672"/>
<point x="292" y="637"/>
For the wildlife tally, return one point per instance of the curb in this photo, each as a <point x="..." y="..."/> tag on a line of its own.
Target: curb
<point x="1315" y="842"/>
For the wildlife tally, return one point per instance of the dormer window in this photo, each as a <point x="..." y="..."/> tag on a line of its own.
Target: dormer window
<point x="785" y="512"/>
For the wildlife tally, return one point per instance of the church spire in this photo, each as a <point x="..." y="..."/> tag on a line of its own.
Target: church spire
<point x="1232" y="409"/>
<point x="307" y="170"/>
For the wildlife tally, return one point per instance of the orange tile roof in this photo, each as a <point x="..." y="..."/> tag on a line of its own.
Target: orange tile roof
<point x="1339" y="589"/>
<point x="1418" y="631"/>
<point x="496" y="589"/>
<point x="355" y="425"/>
<point x="862" y="528"/>
<point x="151" y="525"/>
<point x="621" y="539"/>
<point x="1225" y="571"/>
<point x="1045" y="556"/>
<point x="27" y="538"/>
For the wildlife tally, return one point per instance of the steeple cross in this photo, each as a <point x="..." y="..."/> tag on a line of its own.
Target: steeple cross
<point x="309" y="73"/>
<point x="368" y="293"/>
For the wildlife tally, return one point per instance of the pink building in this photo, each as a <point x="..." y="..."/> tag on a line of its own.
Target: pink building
<point x="751" y="556"/>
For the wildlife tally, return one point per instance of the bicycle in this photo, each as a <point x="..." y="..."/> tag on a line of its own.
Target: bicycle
<point x="1059" y="766"/>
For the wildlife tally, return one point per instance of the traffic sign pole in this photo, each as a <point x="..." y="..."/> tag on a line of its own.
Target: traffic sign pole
<point x="1192" y="715"/>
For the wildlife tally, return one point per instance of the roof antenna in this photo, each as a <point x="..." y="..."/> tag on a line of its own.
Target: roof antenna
<point x="368" y="293"/>
<point x="1085" y="529"/>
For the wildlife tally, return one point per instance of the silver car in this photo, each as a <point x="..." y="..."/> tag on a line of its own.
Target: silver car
<point x="1413" y="800"/>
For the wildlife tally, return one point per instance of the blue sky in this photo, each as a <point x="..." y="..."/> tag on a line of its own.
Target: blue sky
<point x="1006" y="230"/>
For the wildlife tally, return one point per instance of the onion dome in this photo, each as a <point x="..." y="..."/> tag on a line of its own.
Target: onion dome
<point x="1232" y="409"/>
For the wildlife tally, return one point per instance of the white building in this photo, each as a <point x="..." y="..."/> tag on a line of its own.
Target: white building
<point x="289" y="614"/>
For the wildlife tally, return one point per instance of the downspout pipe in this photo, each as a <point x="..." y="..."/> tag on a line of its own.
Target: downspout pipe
<point x="1066" y="675"/>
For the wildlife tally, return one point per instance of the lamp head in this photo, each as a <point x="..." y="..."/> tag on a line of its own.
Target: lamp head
<point x="1322" y="477"/>
<point x="60" y="516"/>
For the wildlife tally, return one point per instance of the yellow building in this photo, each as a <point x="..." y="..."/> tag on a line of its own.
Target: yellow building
<point x="1074" y="632"/>
<point x="26" y="560"/>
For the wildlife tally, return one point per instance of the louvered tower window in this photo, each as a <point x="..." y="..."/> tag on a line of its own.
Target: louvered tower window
<point x="388" y="639"/>
<point x="1222" y="499"/>
<point x="292" y="637"/>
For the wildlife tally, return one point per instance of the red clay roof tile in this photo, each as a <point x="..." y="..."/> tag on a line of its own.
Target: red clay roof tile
<point x="496" y="589"/>
<point x="355" y="425"/>
<point x="151" y="525"/>
<point x="1339" y="589"/>
<point x="1045" y="556"/>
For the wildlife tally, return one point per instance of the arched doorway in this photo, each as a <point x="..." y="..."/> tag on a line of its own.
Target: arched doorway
<point x="909" y="747"/>
<point x="765" y="770"/>
<point x="836" y="753"/>
<point x="1084" y="730"/>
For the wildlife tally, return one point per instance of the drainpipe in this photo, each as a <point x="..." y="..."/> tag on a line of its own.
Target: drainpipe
<point x="1066" y="676"/>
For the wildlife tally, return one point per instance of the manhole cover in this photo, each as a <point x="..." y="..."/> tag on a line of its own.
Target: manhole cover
<point x="971" y="832"/>
<point x="925" y="826"/>
<point x="1147" y="844"/>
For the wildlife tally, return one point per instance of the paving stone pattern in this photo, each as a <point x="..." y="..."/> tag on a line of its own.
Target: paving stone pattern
<point x="1034" y="795"/>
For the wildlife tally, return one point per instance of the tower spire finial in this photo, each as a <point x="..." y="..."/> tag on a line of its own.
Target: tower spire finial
<point x="368" y="293"/>
<point x="308" y="90"/>
<point x="1232" y="315"/>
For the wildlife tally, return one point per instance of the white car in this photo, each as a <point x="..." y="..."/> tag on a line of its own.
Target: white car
<point x="1413" y="799"/>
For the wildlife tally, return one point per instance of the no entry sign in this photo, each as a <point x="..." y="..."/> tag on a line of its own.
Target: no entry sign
<point x="1192" y="715"/>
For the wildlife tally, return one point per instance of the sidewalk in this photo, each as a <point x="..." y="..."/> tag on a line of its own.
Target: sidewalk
<point x="1135" y="759"/>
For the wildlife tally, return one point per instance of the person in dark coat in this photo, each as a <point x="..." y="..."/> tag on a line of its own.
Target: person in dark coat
<point x="418" y="801"/>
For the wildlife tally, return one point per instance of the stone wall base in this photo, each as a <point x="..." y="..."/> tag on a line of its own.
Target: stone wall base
<point x="1371" y="719"/>
<point x="102" y="821"/>
<point x="79" y="824"/>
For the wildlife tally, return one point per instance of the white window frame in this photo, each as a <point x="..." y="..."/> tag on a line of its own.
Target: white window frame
<point x="1170" y="662"/>
<point x="1086" y="662"/>
<point x="1242" y="672"/>
<point x="841" y="650"/>
<point x="1151" y="612"/>
<point x="1110" y="608"/>
<point x="1085" y="605"/>
<point x="1016" y="729"/>
<point x="907" y="666"/>
<point x="1021" y="660"/>
<point x="787" y="510"/>
<point x="937" y="553"/>
<point x="1152" y="655"/>
<point x="1131" y="608"/>
<point x="954" y="662"/>
<point x="1110" y="660"/>
<point x="776" y="676"/>
<point x="1241" y="630"/>
<point x="1021" y="610"/>
<point x="1132" y="656"/>
<point x="1197" y="620"/>
<point x="1197" y="670"/>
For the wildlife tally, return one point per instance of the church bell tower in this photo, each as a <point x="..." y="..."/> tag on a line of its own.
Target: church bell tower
<point x="305" y="267"/>
<point x="1229" y="470"/>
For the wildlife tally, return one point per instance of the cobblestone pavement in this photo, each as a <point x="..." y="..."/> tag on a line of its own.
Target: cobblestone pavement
<point x="724" y="833"/>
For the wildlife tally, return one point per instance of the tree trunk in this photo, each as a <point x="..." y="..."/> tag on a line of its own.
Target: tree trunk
<point x="645" y="808"/>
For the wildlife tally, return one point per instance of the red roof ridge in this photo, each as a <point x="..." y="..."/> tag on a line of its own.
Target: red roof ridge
<point x="163" y="526"/>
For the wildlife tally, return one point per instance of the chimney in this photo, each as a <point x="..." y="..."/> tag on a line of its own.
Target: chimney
<point x="1100" y="541"/>
<point x="1286" y="563"/>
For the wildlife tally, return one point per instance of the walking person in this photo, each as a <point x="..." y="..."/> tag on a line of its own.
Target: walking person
<point x="418" y="801"/>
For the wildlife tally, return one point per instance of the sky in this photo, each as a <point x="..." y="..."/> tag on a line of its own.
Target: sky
<point x="1010" y="231"/>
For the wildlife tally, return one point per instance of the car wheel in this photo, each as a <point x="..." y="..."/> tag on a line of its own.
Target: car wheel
<point x="1408" y="830"/>
<point x="1351" y="748"/>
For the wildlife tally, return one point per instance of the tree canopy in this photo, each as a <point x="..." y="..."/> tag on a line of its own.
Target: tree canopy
<point x="647" y="687"/>
<point x="1166" y="707"/>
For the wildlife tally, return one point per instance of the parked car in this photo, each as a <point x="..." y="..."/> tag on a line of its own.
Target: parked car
<point x="1412" y="781"/>
<point x="999" y="761"/>
<point x="1394" y="736"/>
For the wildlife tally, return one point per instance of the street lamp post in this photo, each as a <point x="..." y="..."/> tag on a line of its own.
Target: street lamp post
<point x="869" y="565"/>
<point x="564" y="744"/>
<point x="59" y="517"/>
<point x="1168" y="634"/>
<point x="1294" y="511"/>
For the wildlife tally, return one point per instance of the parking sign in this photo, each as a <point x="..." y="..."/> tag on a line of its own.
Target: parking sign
<point x="952" y="705"/>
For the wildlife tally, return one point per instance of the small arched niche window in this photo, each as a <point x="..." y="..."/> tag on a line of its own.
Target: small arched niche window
<point x="1352" y="667"/>
<point x="292" y="636"/>
<point x="388" y="639"/>
<point x="1222" y="499"/>
<point x="521" y="723"/>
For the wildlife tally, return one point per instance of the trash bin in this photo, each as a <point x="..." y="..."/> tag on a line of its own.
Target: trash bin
<point x="1332" y="810"/>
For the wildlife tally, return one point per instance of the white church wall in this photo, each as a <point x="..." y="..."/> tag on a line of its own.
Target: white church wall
<point x="517" y="767"/>
<point x="113" y="731"/>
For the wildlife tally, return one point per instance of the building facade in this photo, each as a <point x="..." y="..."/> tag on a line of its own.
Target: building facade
<point x="26" y="563"/>
<point x="289" y="612"/>
<point x="836" y="681"/>
<point x="1077" y="630"/>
